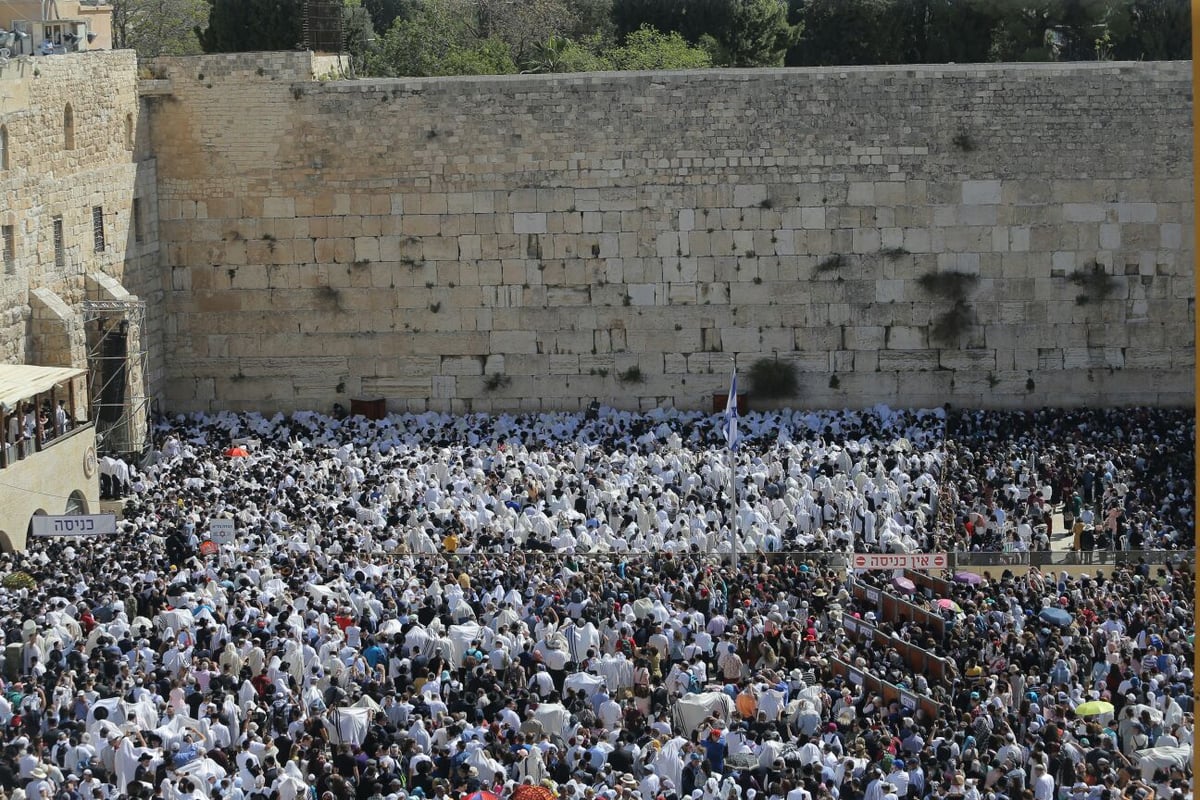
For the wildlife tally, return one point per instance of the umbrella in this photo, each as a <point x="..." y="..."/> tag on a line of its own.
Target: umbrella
<point x="237" y="452"/>
<point x="1093" y="708"/>
<point x="530" y="791"/>
<point x="1055" y="616"/>
<point x="969" y="578"/>
<point x="481" y="796"/>
<point x="947" y="604"/>
<point x="904" y="585"/>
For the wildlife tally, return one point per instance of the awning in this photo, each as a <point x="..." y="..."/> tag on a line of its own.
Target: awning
<point x="21" y="382"/>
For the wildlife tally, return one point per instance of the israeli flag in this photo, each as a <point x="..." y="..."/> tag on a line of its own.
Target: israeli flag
<point x="731" y="414"/>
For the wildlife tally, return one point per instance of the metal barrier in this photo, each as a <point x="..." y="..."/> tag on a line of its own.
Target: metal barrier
<point x="939" y="587"/>
<point x="917" y="658"/>
<point x="889" y="691"/>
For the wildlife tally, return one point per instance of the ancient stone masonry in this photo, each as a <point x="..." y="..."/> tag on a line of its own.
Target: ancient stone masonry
<point x="1010" y="235"/>
<point x="74" y="166"/>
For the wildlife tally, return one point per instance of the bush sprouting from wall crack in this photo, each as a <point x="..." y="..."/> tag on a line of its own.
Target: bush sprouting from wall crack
<point x="774" y="379"/>
<point x="1095" y="282"/>
<point x="951" y="324"/>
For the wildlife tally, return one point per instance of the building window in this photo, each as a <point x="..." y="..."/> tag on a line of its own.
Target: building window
<point x="69" y="128"/>
<point x="8" y="241"/>
<point x="136" y="221"/>
<point x="3" y="147"/>
<point x="60" y="247"/>
<point x="98" y="228"/>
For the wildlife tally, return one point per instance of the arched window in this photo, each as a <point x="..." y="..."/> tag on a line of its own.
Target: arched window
<point x="3" y="147"/>
<point x="69" y="128"/>
<point x="76" y="503"/>
<point x="129" y="131"/>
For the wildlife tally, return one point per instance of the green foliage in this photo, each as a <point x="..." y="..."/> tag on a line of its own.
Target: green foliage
<point x="949" y="326"/>
<point x="237" y="26"/>
<point x="18" y="580"/>
<point x="385" y="12"/>
<point x="972" y="31"/>
<point x="359" y="34"/>
<point x="158" y="27"/>
<point x="496" y="381"/>
<point x="950" y="285"/>
<point x="773" y="379"/>
<point x="758" y="34"/>
<point x="631" y="375"/>
<point x="1095" y="282"/>
<point x="647" y="48"/>
<point x="489" y="57"/>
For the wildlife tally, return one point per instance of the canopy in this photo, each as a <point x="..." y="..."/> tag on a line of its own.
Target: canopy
<point x="21" y="381"/>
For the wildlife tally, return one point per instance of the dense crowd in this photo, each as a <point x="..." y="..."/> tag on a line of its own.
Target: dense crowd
<point x="534" y="607"/>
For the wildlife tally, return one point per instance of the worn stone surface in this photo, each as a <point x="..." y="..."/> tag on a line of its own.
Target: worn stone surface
<point x="104" y="163"/>
<point x="307" y="241"/>
<point x="559" y="230"/>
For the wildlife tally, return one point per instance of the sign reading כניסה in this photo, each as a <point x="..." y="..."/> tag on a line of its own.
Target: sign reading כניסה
<point x="74" y="525"/>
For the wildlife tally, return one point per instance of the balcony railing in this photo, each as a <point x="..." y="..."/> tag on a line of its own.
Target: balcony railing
<point x="13" y="452"/>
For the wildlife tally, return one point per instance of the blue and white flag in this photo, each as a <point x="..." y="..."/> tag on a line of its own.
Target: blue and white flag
<point x="731" y="414"/>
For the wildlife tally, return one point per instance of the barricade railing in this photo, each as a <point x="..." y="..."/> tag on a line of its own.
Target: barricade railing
<point x="917" y="658"/>
<point x="889" y="691"/>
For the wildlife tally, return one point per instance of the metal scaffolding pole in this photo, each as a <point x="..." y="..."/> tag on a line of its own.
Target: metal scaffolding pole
<point x="117" y="359"/>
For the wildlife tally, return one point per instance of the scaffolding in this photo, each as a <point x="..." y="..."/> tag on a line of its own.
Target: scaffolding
<point x="117" y="358"/>
<point x="323" y="26"/>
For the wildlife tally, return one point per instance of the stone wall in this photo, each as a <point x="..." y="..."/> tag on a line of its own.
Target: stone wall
<point x="522" y="242"/>
<point x="66" y="168"/>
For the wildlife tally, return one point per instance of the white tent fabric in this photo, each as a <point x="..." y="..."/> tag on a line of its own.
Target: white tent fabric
<point x="691" y="710"/>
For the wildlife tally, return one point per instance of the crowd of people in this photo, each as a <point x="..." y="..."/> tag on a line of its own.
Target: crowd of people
<point x="548" y="607"/>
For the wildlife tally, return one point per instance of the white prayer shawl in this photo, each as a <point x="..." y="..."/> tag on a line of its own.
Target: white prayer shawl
<point x="348" y="725"/>
<point x="490" y="770"/>
<point x="201" y="768"/>
<point x="291" y="783"/>
<point x="583" y="681"/>
<point x="668" y="762"/>
<point x="125" y="761"/>
<point x="555" y="719"/>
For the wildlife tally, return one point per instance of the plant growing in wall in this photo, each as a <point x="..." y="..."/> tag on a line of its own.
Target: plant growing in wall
<point x="1096" y="283"/>
<point x="951" y="324"/>
<point x="631" y="375"/>
<point x="774" y="379"/>
<point x="496" y="381"/>
<point x="830" y="264"/>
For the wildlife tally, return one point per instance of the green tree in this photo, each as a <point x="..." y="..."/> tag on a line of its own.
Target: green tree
<point x="849" y="32"/>
<point x="417" y="45"/>
<point x="243" y="25"/>
<point x="1158" y="30"/>
<point x="489" y="57"/>
<point x="358" y="34"/>
<point x="385" y="12"/>
<point x="648" y="49"/>
<point x="757" y="34"/>
<point x="692" y="19"/>
<point x="158" y="27"/>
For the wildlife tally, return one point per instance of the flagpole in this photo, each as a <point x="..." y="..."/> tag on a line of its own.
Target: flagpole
<point x="733" y="531"/>
<point x="731" y="415"/>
